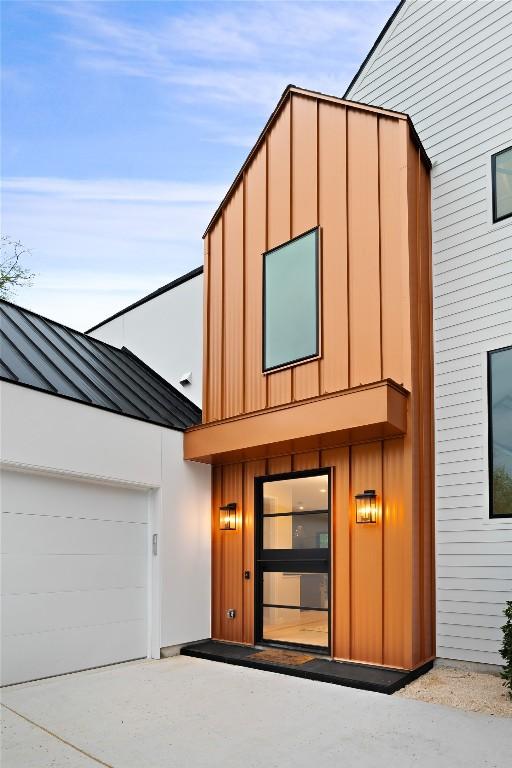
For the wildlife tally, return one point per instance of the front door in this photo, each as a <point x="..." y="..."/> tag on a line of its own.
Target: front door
<point x="292" y="560"/>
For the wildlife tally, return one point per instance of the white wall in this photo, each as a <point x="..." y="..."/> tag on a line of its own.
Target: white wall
<point x="166" y="333"/>
<point x="448" y="66"/>
<point x="45" y="434"/>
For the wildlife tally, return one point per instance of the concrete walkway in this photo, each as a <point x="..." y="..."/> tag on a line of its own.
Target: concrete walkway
<point x="190" y="713"/>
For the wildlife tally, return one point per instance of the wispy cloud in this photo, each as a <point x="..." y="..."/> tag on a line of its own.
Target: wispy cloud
<point x="116" y="89"/>
<point x="230" y="52"/>
<point x="122" y="190"/>
<point x="97" y="245"/>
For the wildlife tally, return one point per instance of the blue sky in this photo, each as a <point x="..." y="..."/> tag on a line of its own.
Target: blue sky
<point x="125" y="122"/>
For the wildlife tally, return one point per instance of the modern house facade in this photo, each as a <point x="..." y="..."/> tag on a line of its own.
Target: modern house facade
<point x="448" y="67"/>
<point x="356" y="292"/>
<point x="317" y="394"/>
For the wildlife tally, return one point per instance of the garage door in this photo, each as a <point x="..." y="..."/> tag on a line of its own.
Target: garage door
<point x="74" y="575"/>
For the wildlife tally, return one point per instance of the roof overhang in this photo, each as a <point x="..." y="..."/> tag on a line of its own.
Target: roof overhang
<point x="371" y="412"/>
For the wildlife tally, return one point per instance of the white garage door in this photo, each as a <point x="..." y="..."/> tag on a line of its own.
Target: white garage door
<point x="74" y="575"/>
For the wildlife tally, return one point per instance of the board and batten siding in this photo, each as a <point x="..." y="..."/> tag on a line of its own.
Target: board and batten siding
<point x="360" y="176"/>
<point x="448" y="66"/>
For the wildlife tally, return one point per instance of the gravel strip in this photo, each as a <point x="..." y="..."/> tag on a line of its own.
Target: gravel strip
<point x="472" y="691"/>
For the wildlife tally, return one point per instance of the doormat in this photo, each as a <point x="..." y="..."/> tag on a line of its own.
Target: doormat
<point x="276" y="656"/>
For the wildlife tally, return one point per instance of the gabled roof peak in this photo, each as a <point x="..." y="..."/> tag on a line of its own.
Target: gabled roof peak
<point x="290" y="91"/>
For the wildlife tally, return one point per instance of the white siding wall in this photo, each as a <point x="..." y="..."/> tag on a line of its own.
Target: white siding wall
<point x="448" y="65"/>
<point x="166" y="333"/>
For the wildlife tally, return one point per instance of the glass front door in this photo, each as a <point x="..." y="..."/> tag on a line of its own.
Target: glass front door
<point x="292" y="556"/>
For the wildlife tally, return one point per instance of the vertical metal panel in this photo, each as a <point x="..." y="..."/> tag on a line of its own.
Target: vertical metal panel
<point x="396" y="574"/>
<point x="215" y="323"/>
<point x="206" y="337"/>
<point x="363" y="235"/>
<point x="332" y="171"/>
<point x="414" y="443"/>
<point x="251" y="470"/>
<point x="366" y="559"/>
<point x="279" y="464"/>
<point x="427" y="417"/>
<point x="217" y="588"/>
<point x="394" y="288"/>
<point x="279" y="222"/>
<point x="233" y="367"/>
<point x="304" y="208"/>
<point x="338" y="459"/>
<point x="255" y="245"/>
<point x="309" y="460"/>
<point x="232" y="557"/>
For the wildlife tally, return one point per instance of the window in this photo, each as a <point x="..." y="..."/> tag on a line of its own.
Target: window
<point x="501" y="164"/>
<point x="500" y="432"/>
<point x="290" y="302"/>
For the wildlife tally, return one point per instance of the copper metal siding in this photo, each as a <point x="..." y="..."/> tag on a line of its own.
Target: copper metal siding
<point x="345" y="170"/>
<point x="233" y="306"/>
<point x="366" y="559"/>
<point x="279" y="384"/>
<point x="363" y="232"/>
<point x="304" y="208"/>
<point x="376" y="321"/>
<point x="255" y="385"/>
<point x="332" y="204"/>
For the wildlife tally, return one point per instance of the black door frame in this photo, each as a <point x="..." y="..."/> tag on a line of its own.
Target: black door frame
<point x="307" y="560"/>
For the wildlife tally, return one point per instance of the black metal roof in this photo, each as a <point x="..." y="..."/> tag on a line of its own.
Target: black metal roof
<point x="42" y="354"/>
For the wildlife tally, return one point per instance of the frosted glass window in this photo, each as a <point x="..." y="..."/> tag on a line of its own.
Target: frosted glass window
<point x="502" y="184"/>
<point x="500" y="428"/>
<point x="290" y="290"/>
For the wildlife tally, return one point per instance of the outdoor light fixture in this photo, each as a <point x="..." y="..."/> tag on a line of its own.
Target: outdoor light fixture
<point x="228" y="516"/>
<point x="366" y="507"/>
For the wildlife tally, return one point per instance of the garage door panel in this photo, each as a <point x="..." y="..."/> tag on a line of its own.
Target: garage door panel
<point x="29" y="494"/>
<point x="74" y="575"/>
<point x="29" y="657"/>
<point x="68" y="573"/>
<point x="26" y="534"/>
<point x="29" y="614"/>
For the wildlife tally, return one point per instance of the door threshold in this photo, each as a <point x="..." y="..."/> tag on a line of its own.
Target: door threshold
<point x="366" y="677"/>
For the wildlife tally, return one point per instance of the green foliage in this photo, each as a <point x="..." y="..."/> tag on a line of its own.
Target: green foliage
<point x="506" y="648"/>
<point x="502" y="492"/>
<point x="12" y="274"/>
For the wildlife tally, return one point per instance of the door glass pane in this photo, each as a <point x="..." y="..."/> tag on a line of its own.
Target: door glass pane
<point x="296" y="626"/>
<point x="301" y="531"/>
<point x="291" y="302"/>
<point x="501" y="414"/>
<point x="300" y="590"/>
<point x="298" y="494"/>
<point x="295" y="513"/>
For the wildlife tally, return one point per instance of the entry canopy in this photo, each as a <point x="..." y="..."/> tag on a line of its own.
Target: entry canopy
<point x="371" y="412"/>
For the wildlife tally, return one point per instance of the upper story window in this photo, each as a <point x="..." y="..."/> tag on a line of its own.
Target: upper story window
<point x="502" y="184"/>
<point x="290" y="302"/>
<point x="500" y="432"/>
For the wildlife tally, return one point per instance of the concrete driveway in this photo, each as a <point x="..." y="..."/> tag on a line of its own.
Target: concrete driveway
<point x="190" y="713"/>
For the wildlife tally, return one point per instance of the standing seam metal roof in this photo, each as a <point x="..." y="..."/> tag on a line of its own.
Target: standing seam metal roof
<point x="45" y="355"/>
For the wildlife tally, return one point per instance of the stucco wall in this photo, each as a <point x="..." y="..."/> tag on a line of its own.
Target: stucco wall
<point x="54" y="436"/>
<point x="166" y="333"/>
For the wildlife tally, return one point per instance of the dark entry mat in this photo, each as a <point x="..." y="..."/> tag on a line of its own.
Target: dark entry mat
<point x="351" y="675"/>
<point x="276" y="656"/>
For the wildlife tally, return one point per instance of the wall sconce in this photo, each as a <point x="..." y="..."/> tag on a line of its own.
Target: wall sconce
<point x="228" y="516"/>
<point x="366" y="507"/>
